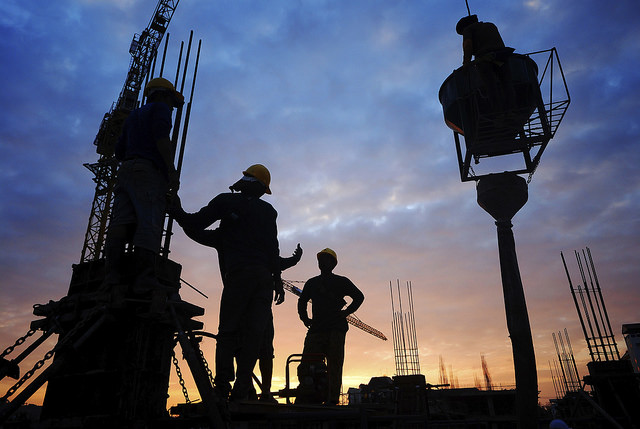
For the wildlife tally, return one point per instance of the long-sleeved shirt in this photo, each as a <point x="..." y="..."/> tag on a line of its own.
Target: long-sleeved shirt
<point x="142" y="129"/>
<point x="479" y="39"/>
<point x="213" y="238"/>
<point x="327" y="293"/>
<point x="248" y="231"/>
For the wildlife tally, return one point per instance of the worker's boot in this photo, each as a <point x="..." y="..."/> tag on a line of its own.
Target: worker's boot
<point x="113" y="266"/>
<point x="147" y="285"/>
<point x="146" y="280"/>
<point x="114" y="255"/>
<point x="112" y="283"/>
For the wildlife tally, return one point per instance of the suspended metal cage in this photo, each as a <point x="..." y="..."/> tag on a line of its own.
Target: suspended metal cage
<point x="505" y="107"/>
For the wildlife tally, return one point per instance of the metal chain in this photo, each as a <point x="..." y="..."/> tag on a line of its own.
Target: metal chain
<point x="531" y="174"/>
<point x="50" y="353"/>
<point x="28" y="375"/>
<point x="206" y="366"/>
<point x="18" y="342"/>
<point x="180" y="379"/>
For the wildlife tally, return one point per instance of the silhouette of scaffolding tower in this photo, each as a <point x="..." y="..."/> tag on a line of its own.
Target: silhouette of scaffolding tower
<point x="405" y="341"/>
<point x="564" y="372"/>
<point x="591" y="310"/>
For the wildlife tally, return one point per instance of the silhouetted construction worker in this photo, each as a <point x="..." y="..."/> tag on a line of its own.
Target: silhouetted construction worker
<point x="213" y="238"/>
<point x="328" y="326"/>
<point x="250" y="257"/>
<point x="144" y="179"/>
<point x="480" y="40"/>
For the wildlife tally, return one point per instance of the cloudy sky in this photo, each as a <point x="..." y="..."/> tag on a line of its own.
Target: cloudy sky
<point x="339" y="100"/>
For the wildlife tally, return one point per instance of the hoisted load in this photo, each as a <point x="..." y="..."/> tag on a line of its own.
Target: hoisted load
<point x="495" y="101"/>
<point x="489" y="104"/>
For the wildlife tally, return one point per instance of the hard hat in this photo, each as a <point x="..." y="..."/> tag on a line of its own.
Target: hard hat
<point x="261" y="173"/>
<point x="465" y="22"/>
<point x="328" y="252"/>
<point x="558" y="424"/>
<point x="162" y="84"/>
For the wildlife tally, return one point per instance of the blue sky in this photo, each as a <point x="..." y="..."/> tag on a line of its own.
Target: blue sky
<point x="339" y="100"/>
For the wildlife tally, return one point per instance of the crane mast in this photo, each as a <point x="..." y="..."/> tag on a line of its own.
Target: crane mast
<point x="143" y="50"/>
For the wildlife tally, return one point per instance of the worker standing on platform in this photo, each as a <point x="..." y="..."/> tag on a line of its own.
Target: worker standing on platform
<point x="328" y="326"/>
<point x="213" y="238"/>
<point x="250" y="257"/>
<point x="480" y="40"/>
<point x="146" y="175"/>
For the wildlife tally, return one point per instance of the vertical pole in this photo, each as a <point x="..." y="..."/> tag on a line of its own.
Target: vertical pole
<point x="169" y="228"/>
<point x="553" y="380"/>
<point x="560" y="359"/>
<point x="574" y="369"/>
<point x="599" y="338"/>
<point x="164" y="54"/>
<point x="394" y="327"/>
<point x="502" y="195"/>
<point x="414" y="338"/>
<point x="524" y="360"/>
<point x="606" y="314"/>
<point x="402" y="329"/>
<point x="608" y="334"/>
<point x="575" y="301"/>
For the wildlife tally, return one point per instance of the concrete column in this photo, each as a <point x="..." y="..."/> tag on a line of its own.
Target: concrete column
<point x="502" y="195"/>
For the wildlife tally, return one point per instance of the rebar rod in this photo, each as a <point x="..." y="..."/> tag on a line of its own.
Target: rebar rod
<point x="402" y="329"/>
<point x="164" y="55"/>
<point x="416" y="353"/>
<point x="553" y="381"/>
<point x="606" y="314"/>
<point x="564" y="376"/>
<point x="575" y="301"/>
<point x="574" y="367"/>
<point x="599" y="304"/>
<point x="599" y="338"/>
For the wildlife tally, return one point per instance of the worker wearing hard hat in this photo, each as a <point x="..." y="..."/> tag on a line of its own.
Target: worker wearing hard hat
<point x="144" y="177"/>
<point x="558" y="424"/>
<point x="480" y="40"/>
<point x="328" y="326"/>
<point x="249" y="254"/>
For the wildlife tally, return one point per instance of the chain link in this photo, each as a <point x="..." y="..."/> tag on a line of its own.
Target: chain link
<point x="50" y="353"/>
<point x="206" y="366"/>
<point x="180" y="379"/>
<point x="18" y="342"/>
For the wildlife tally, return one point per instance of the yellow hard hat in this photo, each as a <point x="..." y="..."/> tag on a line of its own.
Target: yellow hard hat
<point x="261" y="173"/>
<point x="328" y="252"/>
<point x="162" y="84"/>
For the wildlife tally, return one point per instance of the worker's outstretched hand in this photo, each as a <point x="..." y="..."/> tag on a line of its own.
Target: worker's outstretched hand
<point x="278" y="297"/>
<point x="297" y="254"/>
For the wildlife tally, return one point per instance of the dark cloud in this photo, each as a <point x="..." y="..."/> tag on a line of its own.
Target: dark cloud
<point x="340" y="101"/>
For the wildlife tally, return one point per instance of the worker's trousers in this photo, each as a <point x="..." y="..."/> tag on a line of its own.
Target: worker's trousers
<point x="331" y="344"/>
<point x="245" y="308"/>
<point x="140" y="198"/>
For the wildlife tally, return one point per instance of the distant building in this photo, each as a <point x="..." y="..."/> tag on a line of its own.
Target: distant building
<point x="631" y="333"/>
